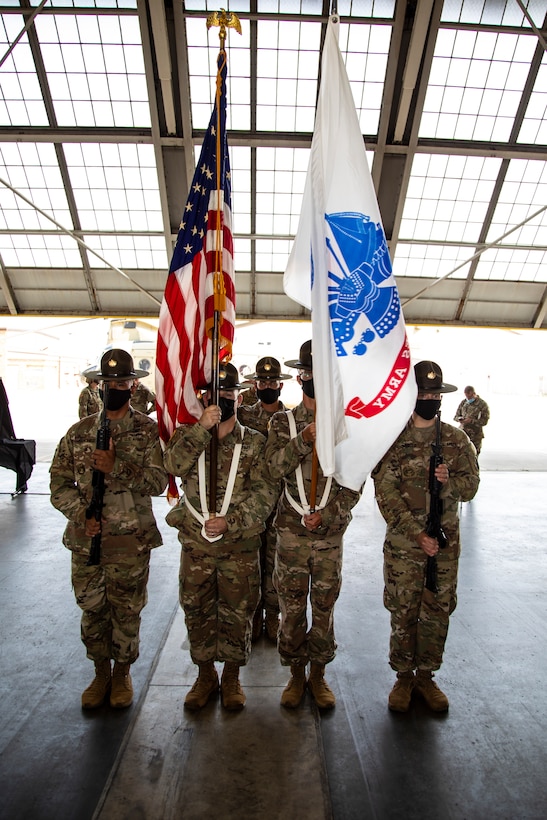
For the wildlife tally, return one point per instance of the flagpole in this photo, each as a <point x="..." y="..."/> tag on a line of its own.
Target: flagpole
<point x="217" y="281"/>
<point x="221" y="19"/>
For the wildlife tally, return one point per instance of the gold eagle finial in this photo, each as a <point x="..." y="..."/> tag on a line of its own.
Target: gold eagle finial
<point x="223" y="19"/>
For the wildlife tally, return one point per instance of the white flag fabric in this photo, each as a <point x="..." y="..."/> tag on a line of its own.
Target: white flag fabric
<point x="340" y="268"/>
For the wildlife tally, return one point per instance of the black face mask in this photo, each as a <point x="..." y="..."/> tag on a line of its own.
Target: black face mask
<point x="308" y="389"/>
<point x="427" y="408"/>
<point x="227" y="408"/>
<point x="268" y="395"/>
<point x="116" y="398"/>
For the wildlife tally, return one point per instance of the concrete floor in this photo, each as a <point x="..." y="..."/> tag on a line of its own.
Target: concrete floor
<point x="485" y="758"/>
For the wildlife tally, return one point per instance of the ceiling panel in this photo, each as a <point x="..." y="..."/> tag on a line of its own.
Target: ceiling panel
<point x="103" y="106"/>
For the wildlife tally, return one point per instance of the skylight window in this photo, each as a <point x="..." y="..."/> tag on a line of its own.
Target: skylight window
<point x="95" y="70"/>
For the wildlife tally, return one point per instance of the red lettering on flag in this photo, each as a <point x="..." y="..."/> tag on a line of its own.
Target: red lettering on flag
<point x="356" y="407"/>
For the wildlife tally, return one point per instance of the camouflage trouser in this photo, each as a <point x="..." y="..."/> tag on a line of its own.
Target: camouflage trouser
<point x="419" y="618"/>
<point x="304" y="564"/>
<point x="268" y="595"/>
<point x="476" y="437"/>
<point x="219" y="590"/>
<point x="112" y="596"/>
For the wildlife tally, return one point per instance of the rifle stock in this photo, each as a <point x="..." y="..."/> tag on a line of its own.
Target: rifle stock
<point x="95" y="509"/>
<point x="433" y="525"/>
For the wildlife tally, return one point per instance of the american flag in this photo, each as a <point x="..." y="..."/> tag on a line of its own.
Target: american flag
<point x="200" y="281"/>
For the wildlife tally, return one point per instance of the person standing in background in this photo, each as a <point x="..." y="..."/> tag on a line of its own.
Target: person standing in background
<point x="89" y="400"/>
<point x="142" y="399"/>
<point x="473" y="414"/>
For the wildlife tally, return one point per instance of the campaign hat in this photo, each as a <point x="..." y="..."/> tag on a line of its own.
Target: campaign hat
<point x="304" y="362"/>
<point x="267" y="369"/>
<point x="116" y="365"/>
<point x="429" y="378"/>
<point x="228" y="378"/>
<point x="87" y="374"/>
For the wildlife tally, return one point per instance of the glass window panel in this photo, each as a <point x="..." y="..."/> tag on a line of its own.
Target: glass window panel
<point x="493" y="68"/>
<point x="523" y="192"/>
<point x="242" y="254"/>
<point x="430" y="261"/>
<point x="534" y="126"/>
<point x="113" y="180"/>
<point x="513" y="265"/>
<point x="21" y="165"/>
<point x="278" y="56"/>
<point x="109" y="52"/>
<point x="128" y="252"/>
<point x="20" y="91"/>
<point x="440" y="183"/>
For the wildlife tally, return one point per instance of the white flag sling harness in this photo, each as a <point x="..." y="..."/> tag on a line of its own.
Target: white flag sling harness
<point x="304" y="508"/>
<point x="204" y="515"/>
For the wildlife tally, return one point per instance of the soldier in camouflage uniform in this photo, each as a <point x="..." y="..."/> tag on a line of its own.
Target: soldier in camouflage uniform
<point x="419" y="617"/>
<point x="249" y="394"/>
<point x="112" y="593"/>
<point x="89" y="400"/>
<point x="142" y="399"/>
<point x="219" y="580"/>
<point x="309" y="545"/>
<point x="473" y="415"/>
<point x="268" y="381"/>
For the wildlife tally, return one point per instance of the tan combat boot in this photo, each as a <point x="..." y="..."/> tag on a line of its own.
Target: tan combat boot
<point x="319" y="688"/>
<point x="272" y="624"/>
<point x="233" y="697"/>
<point x="400" y="695"/>
<point x="205" y="686"/>
<point x="98" y="689"/>
<point x="294" y="690"/>
<point x="430" y="692"/>
<point x="121" y="695"/>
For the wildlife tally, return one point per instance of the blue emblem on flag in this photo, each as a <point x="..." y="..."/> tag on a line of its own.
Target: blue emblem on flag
<point x="358" y="286"/>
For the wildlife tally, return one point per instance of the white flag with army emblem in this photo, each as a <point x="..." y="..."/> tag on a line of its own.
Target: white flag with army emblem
<point x="340" y="268"/>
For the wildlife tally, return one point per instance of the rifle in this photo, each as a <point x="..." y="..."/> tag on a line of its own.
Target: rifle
<point x="433" y="525"/>
<point x="95" y="509"/>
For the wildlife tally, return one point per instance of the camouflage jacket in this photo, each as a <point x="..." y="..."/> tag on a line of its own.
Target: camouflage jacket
<point x="256" y="417"/>
<point x="477" y="413"/>
<point x="249" y="395"/>
<point x="138" y="474"/>
<point x="143" y="399"/>
<point x="283" y="455"/>
<point x="401" y="481"/>
<point x="89" y="403"/>
<point x="253" y="497"/>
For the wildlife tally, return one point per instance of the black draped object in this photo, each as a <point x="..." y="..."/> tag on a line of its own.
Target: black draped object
<point x="16" y="454"/>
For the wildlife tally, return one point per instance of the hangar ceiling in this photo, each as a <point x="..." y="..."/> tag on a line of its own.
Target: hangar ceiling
<point x="103" y="105"/>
